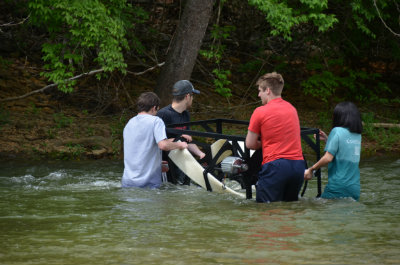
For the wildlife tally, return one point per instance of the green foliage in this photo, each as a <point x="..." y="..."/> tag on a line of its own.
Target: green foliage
<point x="75" y="150"/>
<point x="355" y="82"/>
<point x="217" y="49"/>
<point x="284" y="15"/>
<point x="250" y="66"/>
<point x="215" y="54"/>
<point x="324" y="83"/>
<point x="61" y="120"/>
<point x="325" y="119"/>
<point x="321" y="86"/>
<point x="117" y="128"/>
<point x="80" y="29"/>
<point x="368" y="119"/>
<point x="385" y="137"/>
<point x="222" y="32"/>
<point x="363" y="14"/>
<point x="221" y="82"/>
<point x="58" y="71"/>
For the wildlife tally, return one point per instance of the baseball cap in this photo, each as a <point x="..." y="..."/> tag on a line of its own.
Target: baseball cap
<point x="183" y="87"/>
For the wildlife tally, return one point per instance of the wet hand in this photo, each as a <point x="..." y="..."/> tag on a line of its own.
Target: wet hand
<point x="187" y="137"/>
<point x="182" y="145"/>
<point x="308" y="173"/>
<point x="322" y="135"/>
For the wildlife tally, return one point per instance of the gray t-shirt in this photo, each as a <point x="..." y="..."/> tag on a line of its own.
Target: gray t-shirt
<point x="142" y="156"/>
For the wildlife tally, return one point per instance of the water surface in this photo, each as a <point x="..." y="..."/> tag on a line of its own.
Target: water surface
<point x="76" y="213"/>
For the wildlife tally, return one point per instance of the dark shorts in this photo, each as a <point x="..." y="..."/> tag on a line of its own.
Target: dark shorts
<point x="280" y="180"/>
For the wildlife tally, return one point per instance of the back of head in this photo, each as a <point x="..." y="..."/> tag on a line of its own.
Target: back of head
<point x="146" y="101"/>
<point x="272" y="80"/>
<point x="346" y="115"/>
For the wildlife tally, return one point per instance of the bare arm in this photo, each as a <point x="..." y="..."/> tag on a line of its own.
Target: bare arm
<point x="252" y="141"/>
<point x="194" y="149"/>
<point x="325" y="160"/>
<point x="168" y="145"/>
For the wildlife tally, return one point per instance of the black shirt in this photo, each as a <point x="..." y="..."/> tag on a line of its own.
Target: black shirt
<point x="171" y="116"/>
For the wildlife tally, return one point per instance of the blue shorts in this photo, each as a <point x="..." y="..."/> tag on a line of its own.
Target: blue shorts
<point x="280" y="180"/>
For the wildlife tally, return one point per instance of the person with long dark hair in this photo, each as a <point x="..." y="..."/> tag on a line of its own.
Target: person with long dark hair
<point x="342" y="154"/>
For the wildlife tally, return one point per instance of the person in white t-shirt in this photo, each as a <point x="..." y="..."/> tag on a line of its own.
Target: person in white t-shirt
<point x="144" y="138"/>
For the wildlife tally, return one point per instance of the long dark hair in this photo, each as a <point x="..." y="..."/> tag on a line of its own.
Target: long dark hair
<point x="347" y="115"/>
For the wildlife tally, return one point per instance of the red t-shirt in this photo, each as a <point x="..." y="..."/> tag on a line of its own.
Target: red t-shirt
<point x="278" y="125"/>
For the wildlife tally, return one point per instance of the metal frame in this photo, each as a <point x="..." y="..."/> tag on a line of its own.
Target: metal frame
<point x="248" y="178"/>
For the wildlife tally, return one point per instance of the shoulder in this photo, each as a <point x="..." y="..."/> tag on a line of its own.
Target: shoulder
<point x="166" y="109"/>
<point x="338" y="133"/>
<point x="340" y="130"/>
<point x="287" y="105"/>
<point x="185" y="113"/>
<point x="149" y="118"/>
<point x="258" y="115"/>
<point x="165" y="113"/>
<point x="158" y="124"/>
<point x="261" y="109"/>
<point x="157" y="119"/>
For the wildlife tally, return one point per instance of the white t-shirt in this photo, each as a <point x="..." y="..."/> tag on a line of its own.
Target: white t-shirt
<point x="142" y="156"/>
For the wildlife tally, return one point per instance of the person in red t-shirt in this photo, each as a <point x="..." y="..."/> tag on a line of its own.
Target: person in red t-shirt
<point x="275" y="128"/>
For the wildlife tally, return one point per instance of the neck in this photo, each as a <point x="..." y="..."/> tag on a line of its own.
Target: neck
<point x="150" y="112"/>
<point x="179" y="106"/>
<point x="272" y="97"/>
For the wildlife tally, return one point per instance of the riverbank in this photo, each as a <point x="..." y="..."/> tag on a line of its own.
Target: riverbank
<point x="34" y="130"/>
<point x="54" y="125"/>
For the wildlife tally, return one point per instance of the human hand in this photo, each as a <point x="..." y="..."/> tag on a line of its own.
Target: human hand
<point x="308" y="174"/>
<point x="322" y="135"/>
<point x="187" y="137"/>
<point x="182" y="145"/>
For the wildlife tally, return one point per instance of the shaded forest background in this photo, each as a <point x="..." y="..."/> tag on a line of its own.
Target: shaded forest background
<point x="63" y="95"/>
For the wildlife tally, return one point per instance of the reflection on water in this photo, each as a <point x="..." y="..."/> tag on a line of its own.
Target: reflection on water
<point x="76" y="213"/>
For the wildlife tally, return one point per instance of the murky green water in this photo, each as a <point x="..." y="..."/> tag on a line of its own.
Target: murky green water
<point x="75" y="213"/>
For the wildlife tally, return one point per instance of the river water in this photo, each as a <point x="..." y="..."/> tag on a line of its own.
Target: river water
<point x="76" y="213"/>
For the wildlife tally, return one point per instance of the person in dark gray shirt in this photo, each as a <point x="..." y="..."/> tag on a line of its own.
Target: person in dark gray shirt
<point x="177" y="112"/>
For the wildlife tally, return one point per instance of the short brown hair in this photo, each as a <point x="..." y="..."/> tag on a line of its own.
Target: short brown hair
<point x="179" y="98"/>
<point x="272" y="80"/>
<point x="146" y="101"/>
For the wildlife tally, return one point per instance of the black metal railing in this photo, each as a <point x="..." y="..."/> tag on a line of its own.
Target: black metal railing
<point x="213" y="129"/>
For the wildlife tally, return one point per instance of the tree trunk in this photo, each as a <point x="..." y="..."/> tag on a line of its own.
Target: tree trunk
<point x="185" y="47"/>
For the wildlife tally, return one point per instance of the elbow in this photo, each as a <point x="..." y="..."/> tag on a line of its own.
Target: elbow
<point x="163" y="145"/>
<point x="251" y="141"/>
<point x="328" y="157"/>
<point x="250" y="145"/>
